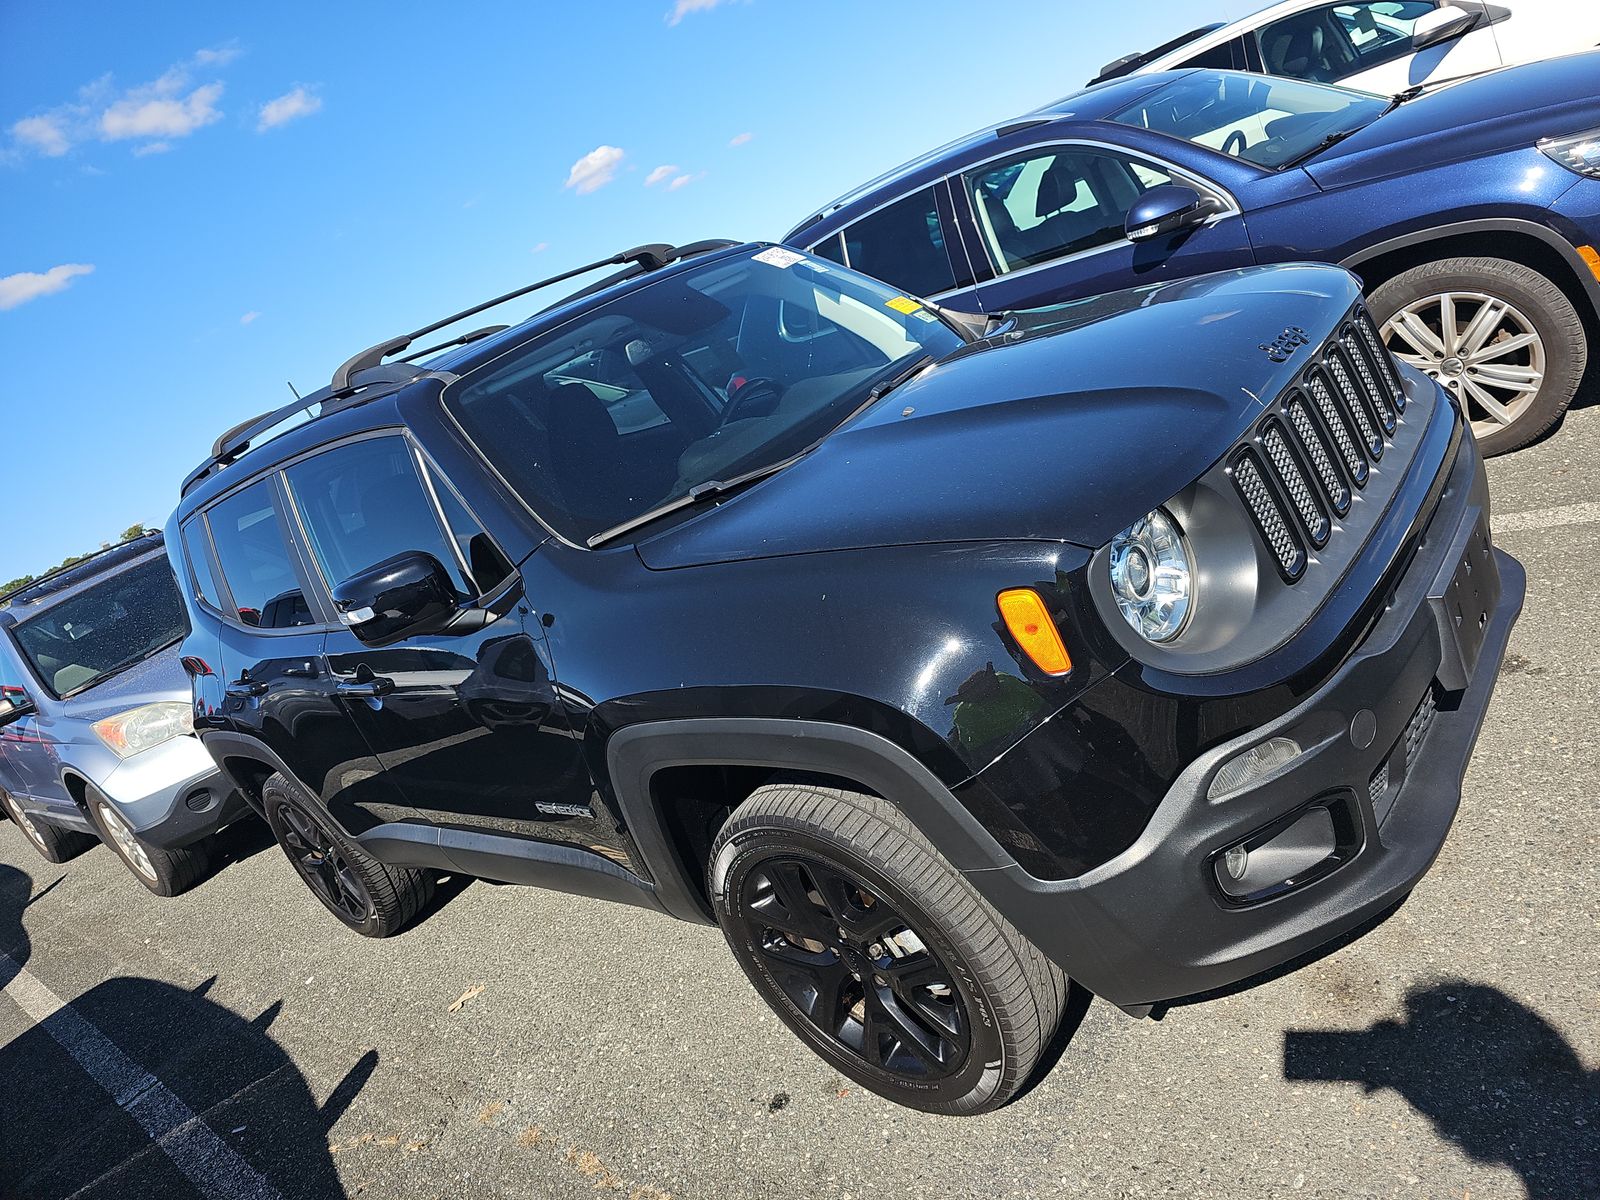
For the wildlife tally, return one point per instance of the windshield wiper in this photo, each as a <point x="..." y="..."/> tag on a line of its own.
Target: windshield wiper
<point x="1333" y="139"/>
<point x="1399" y="98"/>
<point x="709" y="490"/>
<point x="884" y="386"/>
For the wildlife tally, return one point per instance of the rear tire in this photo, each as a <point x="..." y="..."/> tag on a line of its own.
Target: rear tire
<point x="878" y="953"/>
<point x="1495" y="363"/>
<point x="366" y="895"/>
<point x="53" y="843"/>
<point x="165" y="872"/>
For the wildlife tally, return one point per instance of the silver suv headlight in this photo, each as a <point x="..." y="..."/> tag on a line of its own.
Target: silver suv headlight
<point x="142" y="728"/>
<point x="1579" y="153"/>
<point x="1151" y="576"/>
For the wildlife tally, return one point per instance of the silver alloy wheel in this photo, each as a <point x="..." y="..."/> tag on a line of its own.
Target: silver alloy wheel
<point x="25" y="823"/>
<point x="1480" y="347"/>
<point x="127" y="842"/>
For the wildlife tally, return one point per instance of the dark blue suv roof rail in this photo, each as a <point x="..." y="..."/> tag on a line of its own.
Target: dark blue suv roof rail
<point x="365" y="376"/>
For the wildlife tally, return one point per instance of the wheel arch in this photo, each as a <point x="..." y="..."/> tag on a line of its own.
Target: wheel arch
<point x="639" y="757"/>
<point x="1526" y="242"/>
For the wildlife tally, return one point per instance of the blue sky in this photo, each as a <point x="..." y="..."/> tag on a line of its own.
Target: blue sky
<point x="199" y="202"/>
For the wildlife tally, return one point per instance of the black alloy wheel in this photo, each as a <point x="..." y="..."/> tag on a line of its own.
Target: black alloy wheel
<point x="856" y="968"/>
<point x="315" y="856"/>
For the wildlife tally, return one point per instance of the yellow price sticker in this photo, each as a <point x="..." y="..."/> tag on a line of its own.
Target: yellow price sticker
<point x="903" y="304"/>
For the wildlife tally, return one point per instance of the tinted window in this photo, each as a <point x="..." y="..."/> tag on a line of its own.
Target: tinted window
<point x="194" y="549"/>
<point x="1219" y="58"/>
<point x="363" y="503"/>
<point x="487" y="566"/>
<point x="1326" y="44"/>
<point x="1270" y="122"/>
<point x="255" y="560"/>
<point x="113" y="624"/>
<point x="1052" y="202"/>
<point x="903" y="244"/>
<point x="831" y="248"/>
<point x="749" y="358"/>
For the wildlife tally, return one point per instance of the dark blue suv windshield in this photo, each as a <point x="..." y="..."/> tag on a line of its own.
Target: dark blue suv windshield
<point x="1269" y="122"/>
<point x="697" y="378"/>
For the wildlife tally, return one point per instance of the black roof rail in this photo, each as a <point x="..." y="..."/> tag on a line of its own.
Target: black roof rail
<point x="365" y="376"/>
<point x="633" y="270"/>
<point x="1129" y="63"/>
<point x="1018" y="126"/>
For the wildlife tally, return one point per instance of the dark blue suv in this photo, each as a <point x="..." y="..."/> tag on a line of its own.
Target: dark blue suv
<point x="1471" y="212"/>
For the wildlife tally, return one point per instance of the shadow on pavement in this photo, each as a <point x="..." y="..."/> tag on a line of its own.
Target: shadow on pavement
<point x="63" y="1133"/>
<point x="1491" y="1074"/>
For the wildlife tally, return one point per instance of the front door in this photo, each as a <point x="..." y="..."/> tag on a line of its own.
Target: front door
<point x="1050" y="221"/>
<point x="467" y="724"/>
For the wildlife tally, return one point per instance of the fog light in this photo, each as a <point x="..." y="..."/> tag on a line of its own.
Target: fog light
<point x="1254" y="764"/>
<point x="1236" y="861"/>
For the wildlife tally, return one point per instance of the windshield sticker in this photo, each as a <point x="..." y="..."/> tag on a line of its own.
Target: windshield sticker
<point x="903" y="304"/>
<point x="777" y="256"/>
<point x="923" y="314"/>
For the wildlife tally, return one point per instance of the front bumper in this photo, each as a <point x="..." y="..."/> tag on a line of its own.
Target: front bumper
<point x="173" y="794"/>
<point x="1152" y="924"/>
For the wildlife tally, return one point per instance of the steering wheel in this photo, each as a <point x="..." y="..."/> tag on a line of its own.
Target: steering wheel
<point x="741" y="396"/>
<point x="1229" y="148"/>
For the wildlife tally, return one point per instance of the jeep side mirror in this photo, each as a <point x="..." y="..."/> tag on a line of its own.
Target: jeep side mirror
<point x="1443" y="24"/>
<point x="1165" y="209"/>
<point x="401" y="597"/>
<point x="14" y="705"/>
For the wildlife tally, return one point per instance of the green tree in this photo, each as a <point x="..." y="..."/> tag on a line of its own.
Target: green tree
<point x="135" y="531"/>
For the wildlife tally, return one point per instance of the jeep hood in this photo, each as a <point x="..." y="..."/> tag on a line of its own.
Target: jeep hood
<point x="1067" y="424"/>
<point x="1503" y="110"/>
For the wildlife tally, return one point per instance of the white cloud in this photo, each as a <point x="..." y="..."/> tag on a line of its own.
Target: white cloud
<point x="594" y="170"/>
<point x="681" y="181"/>
<point x="30" y="285"/>
<point x="248" y="317"/>
<point x="290" y="106"/>
<point x="160" y="110"/>
<point x="682" y="8"/>
<point x="540" y="248"/>
<point x="151" y="148"/>
<point x="47" y="134"/>
<point x="217" y="56"/>
<point x="659" y="175"/>
<point x="740" y="139"/>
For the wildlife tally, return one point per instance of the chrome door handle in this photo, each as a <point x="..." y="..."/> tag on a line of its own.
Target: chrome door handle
<point x="370" y="688"/>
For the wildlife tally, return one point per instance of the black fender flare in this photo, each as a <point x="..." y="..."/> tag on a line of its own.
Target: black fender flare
<point x="636" y="753"/>
<point x="1569" y="254"/>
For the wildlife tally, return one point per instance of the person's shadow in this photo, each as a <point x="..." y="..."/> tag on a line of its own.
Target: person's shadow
<point x="1491" y="1074"/>
<point x="98" y="1098"/>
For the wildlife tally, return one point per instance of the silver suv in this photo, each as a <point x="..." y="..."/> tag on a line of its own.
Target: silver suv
<point x="96" y="734"/>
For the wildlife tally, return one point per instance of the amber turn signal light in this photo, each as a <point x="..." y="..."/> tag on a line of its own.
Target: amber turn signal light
<point x="1024" y="613"/>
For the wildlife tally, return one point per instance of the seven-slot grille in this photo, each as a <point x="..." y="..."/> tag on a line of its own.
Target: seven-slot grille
<point x="1306" y="462"/>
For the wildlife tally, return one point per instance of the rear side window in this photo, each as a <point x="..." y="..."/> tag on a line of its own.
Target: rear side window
<point x="903" y="244"/>
<point x="195" y="550"/>
<point x="256" y="562"/>
<point x="1227" y="57"/>
<point x="362" y="503"/>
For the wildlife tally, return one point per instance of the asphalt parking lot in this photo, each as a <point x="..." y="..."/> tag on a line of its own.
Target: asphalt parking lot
<point x="238" y="1040"/>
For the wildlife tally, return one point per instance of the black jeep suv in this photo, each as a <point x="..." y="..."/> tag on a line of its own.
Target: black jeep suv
<point x="1141" y="641"/>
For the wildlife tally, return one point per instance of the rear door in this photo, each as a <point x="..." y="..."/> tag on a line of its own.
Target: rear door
<point x="269" y="682"/>
<point x="1049" y="221"/>
<point x="467" y="724"/>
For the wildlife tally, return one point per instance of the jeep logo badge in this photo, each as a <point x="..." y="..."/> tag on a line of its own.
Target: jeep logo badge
<point x="1282" y="347"/>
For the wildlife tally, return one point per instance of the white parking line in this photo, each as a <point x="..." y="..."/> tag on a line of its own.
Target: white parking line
<point x="208" y="1162"/>
<point x="1547" y="518"/>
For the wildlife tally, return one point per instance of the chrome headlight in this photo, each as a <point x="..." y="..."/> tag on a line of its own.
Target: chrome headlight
<point x="139" y="729"/>
<point x="1151" y="577"/>
<point x="1579" y="153"/>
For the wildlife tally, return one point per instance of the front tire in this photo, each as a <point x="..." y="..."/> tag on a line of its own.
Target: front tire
<point x="165" y="872"/>
<point x="367" y="896"/>
<point x="53" y="843"/>
<point x="877" y="953"/>
<point x="1499" y="336"/>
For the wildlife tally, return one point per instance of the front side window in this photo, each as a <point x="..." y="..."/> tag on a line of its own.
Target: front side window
<point x="748" y="359"/>
<point x="1269" y="122"/>
<point x="903" y="243"/>
<point x="113" y="624"/>
<point x="363" y="503"/>
<point x="255" y="560"/>
<point x="1326" y="44"/>
<point x="1052" y="202"/>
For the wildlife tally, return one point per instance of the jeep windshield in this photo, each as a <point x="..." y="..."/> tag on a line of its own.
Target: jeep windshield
<point x="689" y="385"/>
<point x="103" y="630"/>
<point x="1273" y="123"/>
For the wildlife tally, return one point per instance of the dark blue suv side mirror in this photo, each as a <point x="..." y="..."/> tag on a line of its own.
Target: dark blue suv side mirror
<point x="400" y="597"/>
<point x="1165" y="209"/>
